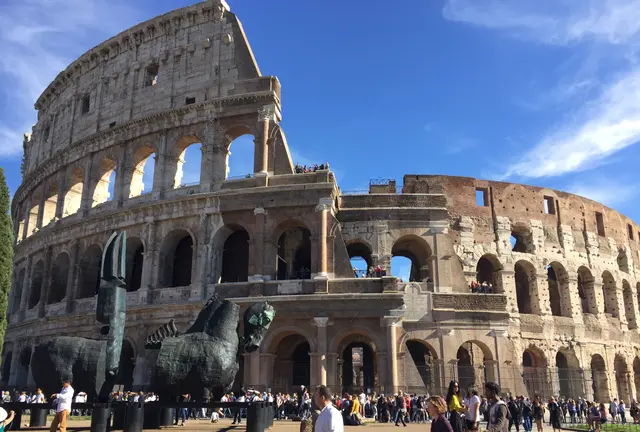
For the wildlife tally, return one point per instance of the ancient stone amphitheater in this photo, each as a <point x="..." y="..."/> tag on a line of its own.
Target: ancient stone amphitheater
<point x="562" y="317"/>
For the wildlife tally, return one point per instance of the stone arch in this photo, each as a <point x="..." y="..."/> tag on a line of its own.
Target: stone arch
<point x="135" y="263"/>
<point x="59" y="278"/>
<point x="235" y="256"/>
<point x="599" y="379"/>
<point x="521" y="239"/>
<point x="176" y="256"/>
<point x="569" y="374"/>
<point x="90" y="267"/>
<point x="273" y="339"/>
<point x="526" y="287"/>
<point x="176" y="165"/>
<point x="24" y="361"/>
<point x="474" y="364"/>
<point x="609" y="294"/>
<point x="623" y="260"/>
<point x="143" y="160"/>
<point x="629" y="311"/>
<point x="17" y="295"/>
<point x="73" y="194"/>
<point x="418" y="251"/>
<point x="37" y="279"/>
<point x="293" y="254"/>
<point x="558" y="284"/>
<point x="535" y="372"/>
<point x="421" y="372"/>
<point x="489" y="269"/>
<point x="50" y="202"/>
<point x="587" y="291"/>
<point x="6" y="367"/>
<point x="636" y="376"/>
<point x="244" y="136"/>
<point x="621" y="371"/>
<point x="357" y="363"/>
<point x="360" y="249"/>
<point x="105" y="178"/>
<point x="127" y="365"/>
<point x="292" y="362"/>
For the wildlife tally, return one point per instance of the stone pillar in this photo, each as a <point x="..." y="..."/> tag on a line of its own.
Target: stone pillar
<point x="62" y="188"/>
<point x="321" y="365"/>
<point x="202" y="256"/>
<point x="266" y="371"/>
<point x="572" y="300"/>
<point x="258" y="246"/>
<point x="323" y="208"/>
<point x="438" y="229"/>
<point x="43" y="191"/>
<point x="15" y="359"/>
<point x="27" y="216"/>
<point x="123" y="179"/>
<point x="159" y="172"/>
<point x="149" y="265"/>
<point x="215" y="152"/>
<point x="332" y="371"/>
<point x="252" y="365"/>
<point x="87" y="188"/>
<point x="392" y="325"/>
<point x="622" y="312"/>
<point x="46" y="281"/>
<point x="265" y="116"/>
<point x="25" y="288"/>
<point x="540" y="301"/>
<point x="70" y="292"/>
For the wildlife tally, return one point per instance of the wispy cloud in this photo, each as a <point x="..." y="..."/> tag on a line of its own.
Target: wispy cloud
<point x="38" y="39"/>
<point x="605" y="191"/>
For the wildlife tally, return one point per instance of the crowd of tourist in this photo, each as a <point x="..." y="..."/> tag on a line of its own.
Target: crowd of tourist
<point x="371" y="272"/>
<point x="481" y="287"/>
<point x="311" y="168"/>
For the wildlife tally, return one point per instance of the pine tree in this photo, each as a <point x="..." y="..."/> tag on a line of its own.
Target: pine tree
<point x="6" y="253"/>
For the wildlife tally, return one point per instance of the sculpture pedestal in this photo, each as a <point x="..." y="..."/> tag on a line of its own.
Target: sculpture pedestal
<point x="38" y="417"/>
<point x="101" y="418"/>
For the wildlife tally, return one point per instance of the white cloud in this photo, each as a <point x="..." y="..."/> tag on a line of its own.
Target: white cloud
<point x="560" y="22"/>
<point x="604" y="127"/>
<point x="605" y="191"/>
<point x="38" y="39"/>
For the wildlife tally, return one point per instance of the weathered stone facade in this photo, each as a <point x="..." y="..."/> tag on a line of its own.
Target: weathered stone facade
<point x="562" y="318"/>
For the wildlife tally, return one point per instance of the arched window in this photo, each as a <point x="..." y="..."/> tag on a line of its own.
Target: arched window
<point x="235" y="257"/>
<point x="599" y="378"/>
<point x="189" y="164"/>
<point x="487" y="270"/>
<point x="417" y="251"/>
<point x="609" y="294"/>
<point x="294" y="254"/>
<point x="240" y="157"/>
<point x="521" y="239"/>
<point x="73" y="195"/>
<point x="104" y="190"/>
<point x="586" y="291"/>
<point x="135" y="263"/>
<point x="59" y="277"/>
<point x="50" y="203"/>
<point x="37" y="273"/>
<point x="558" y="290"/>
<point x="177" y="253"/>
<point x="525" y="278"/>
<point x="90" y="267"/>
<point x="144" y="162"/>
<point x="17" y="295"/>
<point x="360" y="257"/>
<point x="629" y="312"/>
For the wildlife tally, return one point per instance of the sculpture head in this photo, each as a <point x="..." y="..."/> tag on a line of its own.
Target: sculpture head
<point x="257" y="320"/>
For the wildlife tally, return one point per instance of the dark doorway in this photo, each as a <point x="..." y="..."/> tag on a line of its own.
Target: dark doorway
<point x="358" y="370"/>
<point x="235" y="257"/>
<point x="36" y="284"/>
<point x="301" y="365"/>
<point x="127" y="365"/>
<point x="294" y="254"/>
<point x="90" y="272"/>
<point x="59" y="276"/>
<point x="523" y="288"/>
<point x="182" y="260"/>
<point x="135" y="262"/>
<point x="423" y="364"/>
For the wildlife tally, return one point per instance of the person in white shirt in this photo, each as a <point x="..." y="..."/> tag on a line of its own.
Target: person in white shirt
<point x="63" y="407"/>
<point x="330" y="419"/>
<point x="23" y="397"/>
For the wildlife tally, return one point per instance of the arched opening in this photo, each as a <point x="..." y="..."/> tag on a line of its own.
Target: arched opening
<point x="33" y="212"/>
<point x="360" y="257"/>
<point x="90" y="267"/>
<point x="50" y="204"/>
<point x="401" y="267"/>
<point x="525" y="278"/>
<point x="294" y="254"/>
<point x="557" y="282"/>
<point x="235" y="257"/>
<point x="609" y="295"/>
<point x="135" y="263"/>
<point x="188" y="167"/>
<point x="488" y="271"/>
<point x="586" y="291"/>
<point x="104" y="189"/>
<point x="421" y="371"/>
<point x="240" y="156"/>
<point x="471" y="360"/>
<point x="292" y="365"/>
<point x="599" y="378"/>
<point x="521" y="239"/>
<point x="177" y="259"/>
<point x="358" y="368"/>
<point x="73" y="196"/>
<point x="37" y="273"/>
<point x="59" y="278"/>
<point x="126" y="366"/>
<point x="636" y="376"/>
<point x="569" y="373"/>
<point x="21" y="221"/>
<point x="622" y="374"/>
<point x="623" y="260"/>
<point x="535" y="372"/>
<point x="6" y="367"/>
<point x="627" y="296"/>
<point x="23" y="368"/>
<point x="17" y="295"/>
<point x="144" y="162"/>
<point x="417" y="250"/>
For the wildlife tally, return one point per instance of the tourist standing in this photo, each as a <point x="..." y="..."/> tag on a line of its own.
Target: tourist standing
<point x="237" y="417"/>
<point x="526" y="411"/>
<point x="437" y="408"/>
<point x="472" y="402"/>
<point x="613" y="410"/>
<point x="401" y="408"/>
<point x="330" y="419"/>
<point x="514" y="411"/>
<point x="62" y="402"/>
<point x="454" y="406"/>
<point x="497" y="409"/>
<point x="554" y="414"/>
<point x="622" y="410"/>
<point x="538" y="414"/>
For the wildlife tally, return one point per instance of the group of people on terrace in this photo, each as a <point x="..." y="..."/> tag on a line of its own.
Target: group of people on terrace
<point x="481" y="287"/>
<point x="371" y="272"/>
<point x="300" y="169"/>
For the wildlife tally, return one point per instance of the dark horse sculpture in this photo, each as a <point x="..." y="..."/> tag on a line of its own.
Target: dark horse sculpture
<point x="92" y="365"/>
<point x="204" y="358"/>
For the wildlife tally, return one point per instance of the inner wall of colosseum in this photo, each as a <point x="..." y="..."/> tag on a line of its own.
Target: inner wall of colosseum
<point x="108" y="153"/>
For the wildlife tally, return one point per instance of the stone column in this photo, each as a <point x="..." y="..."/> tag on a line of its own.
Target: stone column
<point x="123" y="171"/>
<point x="622" y="311"/>
<point x="87" y="188"/>
<point x="332" y="371"/>
<point x="266" y="371"/>
<point x="321" y="323"/>
<point x="27" y="216"/>
<point x="46" y="281"/>
<point x="215" y="152"/>
<point x="202" y="256"/>
<point x="258" y="240"/>
<point x="25" y="288"/>
<point x="392" y="324"/>
<point x="323" y="208"/>
<point x="572" y="300"/>
<point x="44" y="188"/>
<point x="540" y="301"/>
<point x="265" y="115"/>
<point x="159" y="172"/>
<point x="252" y="365"/>
<point x="70" y="293"/>
<point x="62" y="188"/>
<point x="437" y="229"/>
<point x="15" y="359"/>
<point x="149" y="270"/>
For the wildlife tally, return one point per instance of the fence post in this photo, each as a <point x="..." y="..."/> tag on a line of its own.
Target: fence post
<point x="253" y="418"/>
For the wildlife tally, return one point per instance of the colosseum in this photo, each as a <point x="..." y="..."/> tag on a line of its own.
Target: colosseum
<point x="561" y="318"/>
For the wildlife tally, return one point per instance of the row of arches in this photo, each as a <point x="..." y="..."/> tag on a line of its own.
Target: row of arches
<point x="141" y="175"/>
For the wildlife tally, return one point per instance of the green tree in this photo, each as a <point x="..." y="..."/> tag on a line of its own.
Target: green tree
<point x="6" y="253"/>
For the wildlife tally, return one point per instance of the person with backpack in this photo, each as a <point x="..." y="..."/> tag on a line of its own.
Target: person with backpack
<point x="622" y="411"/>
<point x="526" y="411"/>
<point x="555" y="413"/>
<point x="498" y="412"/>
<point x="538" y="414"/>
<point x="514" y="414"/>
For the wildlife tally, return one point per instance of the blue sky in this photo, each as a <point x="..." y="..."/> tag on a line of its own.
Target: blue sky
<point x="543" y="92"/>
